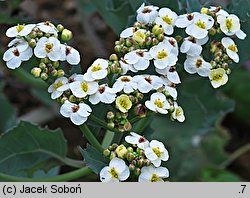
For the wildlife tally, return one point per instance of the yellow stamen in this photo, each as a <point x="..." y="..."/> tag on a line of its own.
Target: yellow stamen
<point x="157" y="151"/>
<point x="57" y="85"/>
<point x="229" y="24"/>
<point x="96" y="68"/>
<point x="162" y="54"/>
<point x="201" y="24"/>
<point x="49" y="47"/>
<point x="19" y="27"/>
<point x="167" y="19"/>
<point x="114" y="173"/>
<point x="198" y="63"/>
<point x="155" y="178"/>
<point x="159" y="103"/>
<point x="84" y="86"/>
<point x="233" y="48"/>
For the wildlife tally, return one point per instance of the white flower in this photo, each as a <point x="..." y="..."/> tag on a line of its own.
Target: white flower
<point x="15" y="55"/>
<point x="125" y="83"/>
<point x="231" y="48"/>
<point x="126" y="67"/>
<point x="146" y="14"/>
<point x="54" y="88"/>
<point x="138" y="140"/>
<point x="70" y="54"/>
<point x="78" y="113"/>
<point x="174" y="43"/>
<point x="156" y="152"/>
<point x="104" y="94"/>
<point x="178" y="113"/>
<point x="158" y="103"/>
<point x="192" y="46"/>
<point x="137" y="34"/>
<point x="198" y="65"/>
<point x="97" y="71"/>
<point x="146" y="83"/>
<point x="115" y="172"/>
<point x="71" y="79"/>
<point x="20" y="30"/>
<point x="21" y="43"/>
<point x="47" y="28"/>
<point x="170" y="73"/>
<point x="167" y="20"/>
<point x="185" y="20"/>
<point x="218" y="10"/>
<point x="163" y="55"/>
<point x="199" y="29"/>
<point x="48" y="47"/>
<point x="230" y="25"/>
<point x="82" y="88"/>
<point x="169" y="87"/>
<point x="140" y="59"/>
<point x="218" y="77"/>
<point x="152" y="174"/>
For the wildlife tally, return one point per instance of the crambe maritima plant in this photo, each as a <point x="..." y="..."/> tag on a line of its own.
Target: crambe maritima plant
<point x="138" y="81"/>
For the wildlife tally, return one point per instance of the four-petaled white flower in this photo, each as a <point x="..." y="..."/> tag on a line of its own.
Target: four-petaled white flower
<point x="198" y="65"/>
<point x="48" y="47"/>
<point x="137" y="34"/>
<point x="126" y="67"/>
<point x="231" y="48"/>
<point x="185" y="20"/>
<point x="140" y="59"/>
<point x="125" y="83"/>
<point x="97" y="71"/>
<point x="192" y="46"/>
<point x="20" y="30"/>
<point x="116" y="171"/>
<point x="218" y="77"/>
<point x="178" y="113"/>
<point x="47" y="27"/>
<point x="167" y="20"/>
<point x="104" y="94"/>
<point x="147" y="14"/>
<point x="158" y="103"/>
<point x="169" y="87"/>
<point x="156" y="152"/>
<point x="199" y="29"/>
<point x="70" y="54"/>
<point x="152" y="174"/>
<point x="138" y="140"/>
<point x="146" y="83"/>
<point x="55" y="90"/>
<point x="78" y="113"/>
<point x="82" y="88"/>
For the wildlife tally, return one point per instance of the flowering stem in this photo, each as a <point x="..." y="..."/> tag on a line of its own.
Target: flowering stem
<point x="108" y="138"/>
<point x="141" y="125"/>
<point x="90" y="137"/>
<point x="135" y="119"/>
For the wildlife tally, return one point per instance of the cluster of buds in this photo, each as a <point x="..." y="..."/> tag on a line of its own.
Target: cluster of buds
<point x="118" y="121"/>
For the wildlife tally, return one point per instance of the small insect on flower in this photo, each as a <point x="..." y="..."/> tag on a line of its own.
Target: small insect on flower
<point x="231" y="48"/>
<point x="178" y="113"/>
<point x="152" y="174"/>
<point x="70" y="54"/>
<point x="116" y="171"/>
<point x="146" y="83"/>
<point x="218" y="77"/>
<point x="156" y="152"/>
<point x="125" y="83"/>
<point x="147" y="14"/>
<point x="20" y="30"/>
<point x="54" y="88"/>
<point x="158" y="103"/>
<point x="78" y="113"/>
<point x="198" y="65"/>
<point x="140" y="141"/>
<point x="123" y="103"/>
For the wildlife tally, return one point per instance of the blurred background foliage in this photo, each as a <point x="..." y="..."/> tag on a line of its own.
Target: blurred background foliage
<point x="211" y="145"/>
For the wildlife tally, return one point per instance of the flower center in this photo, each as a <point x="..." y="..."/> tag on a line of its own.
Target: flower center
<point x="125" y="79"/>
<point x="192" y="39"/>
<point x="155" y="178"/>
<point x="114" y="173"/>
<point x="146" y="10"/>
<point x="172" y="69"/>
<point x="159" y="103"/>
<point x="96" y="68"/>
<point x="198" y="63"/>
<point x="75" y="108"/>
<point x="162" y="54"/>
<point x="229" y="24"/>
<point x="141" y="140"/>
<point x="139" y="36"/>
<point x="124" y="103"/>
<point x="233" y="48"/>
<point x="19" y="27"/>
<point x="157" y="151"/>
<point x="68" y="49"/>
<point x="172" y="42"/>
<point x="84" y="86"/>
<point x="217" y="77"/>
<point x="57" y="85"/>
<point x="49" y="47"/>
<point x="190" y="17"/>
<point x="201" y="24"/>
<point x="47" y="23"/>
<point x="178" y="112"/>
<point x="140" y="53"/>
<point x="16" y="52"/>
<point x="101" y="89"/>
<point x="148" y="79"/>
<point x="167" y="19"/>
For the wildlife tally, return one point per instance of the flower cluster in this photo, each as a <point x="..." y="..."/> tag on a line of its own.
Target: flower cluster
<point x="142" y="160"/>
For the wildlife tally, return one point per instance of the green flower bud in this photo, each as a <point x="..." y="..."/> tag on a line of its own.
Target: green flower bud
<point x="131" y="167"/>
<point x="225" y="57"/>
<point x="134" y="162"/>
<point x="44" y="76"/>
<point x="225" y="66"/>
<point x="33" y="35"/>
<point x="60" y="27"/>
<point x="213" y="64"/>
<point x="121" y="151"/>
<point x="45" y="60"/>
<point x="60" y="73"/>
<point x="228" y="71"/>
<point x="130" y="156"/>
<point x="112" y="155"/>
<point x="47" y="35"/>
<point x="124" y="115"/>
<point x="113" y="57"/>
<point x="148" y="41"/>
<point x="117" y="43"/>
<point x="114" y="68"/>
<point x="147" y="162"/>
<point x="124" y="50"/>
<point x="160" y="37"/>
<point x="72" y="98"/>
<point x="118" y="115"/>
<point x="117" y="48"/>
<point x="113" y="147"/>
<point x="137" y="25"/>
<point x="127" y="126"/>
<point x="137" y="171"/>
<point x="54" y="72"/>
<point x="55" y="64"/>
<point x="129" y="42"/>
<point x="42" y="66"/>
<point x="155" y="41"/>
<point x="140" y="163"/>
<point x="66" y="35"/>
<point x="178" y="38"/>
<point x="63" y="100"/>
<point x="36" y="72"/>
<point x="39" y="33"/>
<point x="140" y="110"/>
<point x="157" y="30"/>
<point x="111" y="125"/>
<point x="130" y="149"/>
<point x="32" y="43"/>
<point x="212" y="31"/>
<point x="110" y="115"/>
<point x="121" y="128"/>
<point x="106" y="153"/>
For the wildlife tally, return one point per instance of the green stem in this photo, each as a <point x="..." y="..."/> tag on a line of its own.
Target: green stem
<point x="135" y="119"/>
<point x="235" y="155"/>
<point x="141" y="125"/>
<point x="59" y="178"/>
<point x="73" y="163"/>
<point x="90" y="137"/>
<point x="108" y="138"/>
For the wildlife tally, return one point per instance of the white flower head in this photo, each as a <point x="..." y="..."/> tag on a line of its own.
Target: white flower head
<point x="170" y="73"/>
<point x="116" y="171"/>
<point x="167" y="20"/>
<point x="55" y="90"/>
<point x="163" y="55"/>
<point x="178" y="113"/>
<point x="146" y="83"/>
<point x="104" y="94"/>
<point x="185" y="20"/>
<point x="156" y="152"/>
<point x="152" y="174"/>
<point x="147" y="14"/>
<point x="218" y="77"/>
<point x="231" y="48"/>
<point x="126" y="67"/>
<point x="140" y="59"/>
<point x="138" y="140"/>
<point x="48" y="47"/>
<point x="78" y="113"/>
<point x="48" y="28"/>
<point x="15" y="55"/>
<point x="125" y="83"/>
<point x="70" y="54"/>
<point x="158" y="103"/>
<point x="97" y="71"/>
<point x="82" y="88"/>
<point x="199" y="29"/>
<point x="192" y="46"/>
<point x="20" y="30"/>
<point x="198" y="65"/>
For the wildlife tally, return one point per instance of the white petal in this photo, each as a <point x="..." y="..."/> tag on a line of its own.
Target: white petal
<point x="127" y="32"/>
<point x="77" y="119"/>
